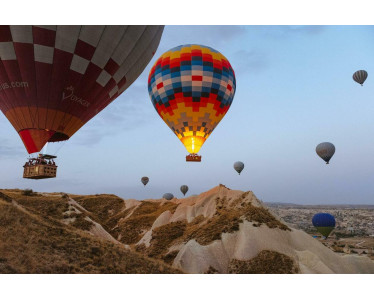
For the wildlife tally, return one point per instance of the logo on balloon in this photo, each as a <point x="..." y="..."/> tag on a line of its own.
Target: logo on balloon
<point x="13" y="84"/>
<point x="68" y="94"/>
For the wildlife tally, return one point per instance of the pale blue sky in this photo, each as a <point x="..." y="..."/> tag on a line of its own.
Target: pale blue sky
<point x="294" y="90"/>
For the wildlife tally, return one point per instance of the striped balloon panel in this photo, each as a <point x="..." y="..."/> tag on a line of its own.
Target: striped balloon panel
<point x="53" y="79"/>
<point x="192" y="88"/>
<point x="360" y="76"/>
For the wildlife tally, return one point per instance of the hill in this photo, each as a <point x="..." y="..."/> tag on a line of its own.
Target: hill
<point x="35" y="238"/>
<point x="218" y="231"/>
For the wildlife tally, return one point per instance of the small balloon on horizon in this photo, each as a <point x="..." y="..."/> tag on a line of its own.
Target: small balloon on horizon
<point x="324" y="223"/>
<point x="168" y="196"/>
<point x="184" y="189"/>
<point x="239" y="166"/>
<point x="145" y="180"/>
<point x="325" y="151"/>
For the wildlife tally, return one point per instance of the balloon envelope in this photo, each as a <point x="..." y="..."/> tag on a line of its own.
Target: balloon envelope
<point x="184" y="189"/>
<point x="144" y="180"/>
<point x="325" y="151"/>
<point x="360" y="76"/>
<point x="324" y="223"/>
<point x="192" y="88"/>
<point x="54" y="79"/>
<point x="168" y="196"/>
<point x="238" y="166"/>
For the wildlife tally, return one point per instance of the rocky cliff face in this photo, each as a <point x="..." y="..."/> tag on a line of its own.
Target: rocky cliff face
<point x="51" y="234"/>
<point x="219" y="231"/>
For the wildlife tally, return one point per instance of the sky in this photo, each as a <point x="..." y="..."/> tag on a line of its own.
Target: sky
<point x="294" y="90"/>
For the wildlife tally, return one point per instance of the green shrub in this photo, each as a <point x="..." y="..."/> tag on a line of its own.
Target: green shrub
<point x="28" y="192"/>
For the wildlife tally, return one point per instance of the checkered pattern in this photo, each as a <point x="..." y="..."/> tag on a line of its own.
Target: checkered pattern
<point x="67" y="74"/>
<point x="192" y="88"/>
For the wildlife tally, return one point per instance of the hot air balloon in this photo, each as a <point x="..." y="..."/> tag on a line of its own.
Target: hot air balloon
<point x="54" y="79"/>
<point x="145" y="180"/>
<point x="238" y="166"/>
<point x="184" y="189"/>
<point x="192" y="88"/>
<point x="324" y="223"/>
<point x="325" y="151"/>
<point x="168" y="196"/>
<point x="360" y="76"/>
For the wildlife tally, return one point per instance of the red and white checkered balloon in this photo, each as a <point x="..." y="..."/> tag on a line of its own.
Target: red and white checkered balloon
<point x="53" y="79"/>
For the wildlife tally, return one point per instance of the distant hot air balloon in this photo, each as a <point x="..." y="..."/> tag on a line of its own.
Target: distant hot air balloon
<point x="324" y="223"/>
<point x="192" y="88"/>
<point x="54" y="79"/>
<point x="238" y="166"/>
<point x="184" y="189"/>
<point x="168" y="196"/>
<point x="360" y="76"/>
<point x="145" y="180"/>
<point x="325" y="151"/>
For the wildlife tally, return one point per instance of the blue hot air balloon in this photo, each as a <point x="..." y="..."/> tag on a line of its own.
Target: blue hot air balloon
<point x="324" y="223"/>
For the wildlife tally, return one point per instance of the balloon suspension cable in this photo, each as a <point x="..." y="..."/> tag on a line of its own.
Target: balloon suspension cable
<point x="60" y="147"/>
<point x="45" y="148"/>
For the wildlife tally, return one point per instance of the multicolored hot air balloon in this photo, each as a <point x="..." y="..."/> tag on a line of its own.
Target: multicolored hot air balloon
<point x="168" y="196"/>
<point x="184" y="189"/>
<point x="360" y="76"/>
<point x="325" y="151"/>
<point x="54" y="79"/>
<point x="324" y="223"/>
<point x="238" y="166"/>
<point x="144" y="180"/>
<point x="192" y="88"/>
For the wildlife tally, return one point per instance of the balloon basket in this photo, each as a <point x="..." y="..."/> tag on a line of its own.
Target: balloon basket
<point x="41" y="167"/>
<point x="193" y="157"/>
